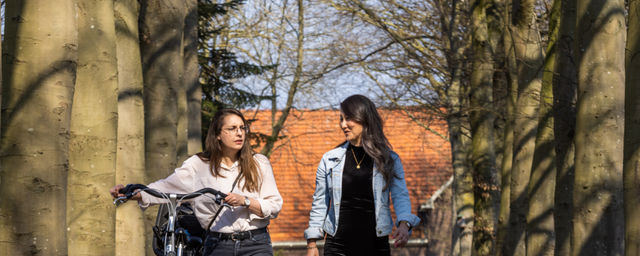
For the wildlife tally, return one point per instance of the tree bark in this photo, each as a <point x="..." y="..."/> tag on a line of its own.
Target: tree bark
<point x="182" y="139"/>
<point x="598" y="220"/>
<point x="486" y="194"/>
<point x="182" y="127"/>
<point x="632" y="135"/>
<point x="36" y="109"/>
<point x="528" y="52"/>
<point x="564" y="102"/>
<point x="541" y="189"/>
<point x="130" y="163"/>
<point x="92" y="145"/>
<point x="507" y="155"/>
<point x="191" y="76"/>
<point x="161" y="24"/>
<point x="463" y="179"/>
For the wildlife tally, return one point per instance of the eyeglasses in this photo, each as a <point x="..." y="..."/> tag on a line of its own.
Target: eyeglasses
<point x="234" y="129"/>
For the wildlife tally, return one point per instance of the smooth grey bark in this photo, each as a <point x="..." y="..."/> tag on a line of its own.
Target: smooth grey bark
<point x="36" y="108"/>
<point x="632" y="135"/>
<point x="191" y="76"/>
<point x="564" y="111"/>
<point x="483" y="156"/>
<point x="161" y="25"/>
<point x="540" y="239"/>
<point x="529" y="59"/>
<point x="598" y="219"/>
<point x="92" y="145"/>
<point x="507" y="155"/>
<point x="130" y="164"/>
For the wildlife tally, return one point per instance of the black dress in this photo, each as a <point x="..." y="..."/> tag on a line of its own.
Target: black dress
<point x="356" y="233"/>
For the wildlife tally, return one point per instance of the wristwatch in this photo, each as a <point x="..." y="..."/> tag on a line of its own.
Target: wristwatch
<point x="406" y="222"/>
<point x="247" y="202"/>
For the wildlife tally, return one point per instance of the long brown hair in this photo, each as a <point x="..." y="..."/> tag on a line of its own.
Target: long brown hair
<point x="213" y="151"/>
<point x="360" y="109"/>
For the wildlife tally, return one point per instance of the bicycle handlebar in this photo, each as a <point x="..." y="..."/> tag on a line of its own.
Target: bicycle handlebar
<point x="131" y="189"/>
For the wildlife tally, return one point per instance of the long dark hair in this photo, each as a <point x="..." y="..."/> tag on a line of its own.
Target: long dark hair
<point x="361" y="109"/>
<point x="213" y="151"/>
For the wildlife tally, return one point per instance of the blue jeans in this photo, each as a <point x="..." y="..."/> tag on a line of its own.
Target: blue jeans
<point x="258" y="245"/>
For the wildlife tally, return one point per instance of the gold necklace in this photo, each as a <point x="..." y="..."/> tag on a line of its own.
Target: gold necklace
<point x="356" y="159"/>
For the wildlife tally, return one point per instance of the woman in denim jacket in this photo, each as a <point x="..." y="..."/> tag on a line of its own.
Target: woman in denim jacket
<point x="353" y="185"/>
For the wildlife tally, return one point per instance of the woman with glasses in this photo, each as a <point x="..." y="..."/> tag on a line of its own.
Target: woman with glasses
<point x="353" y="184"/>
<point x="230" y="166"/>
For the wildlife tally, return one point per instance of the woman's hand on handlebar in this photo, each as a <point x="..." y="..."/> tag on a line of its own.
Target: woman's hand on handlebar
<point x="234" y="199"/>
<point x="115" y="193"/>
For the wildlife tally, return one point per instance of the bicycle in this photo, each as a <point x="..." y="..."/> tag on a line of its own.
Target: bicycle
<point x="172" y="238"/>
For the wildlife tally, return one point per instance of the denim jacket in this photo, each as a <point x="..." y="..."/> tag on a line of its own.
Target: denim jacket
<point x="325" y="209"/>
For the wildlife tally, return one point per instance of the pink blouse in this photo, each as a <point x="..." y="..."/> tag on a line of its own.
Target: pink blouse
<point x="194" y="174"/>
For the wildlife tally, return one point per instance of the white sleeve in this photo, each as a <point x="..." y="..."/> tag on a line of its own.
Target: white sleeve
<point x="181" y="181"/>
<point x="269" y="197"/>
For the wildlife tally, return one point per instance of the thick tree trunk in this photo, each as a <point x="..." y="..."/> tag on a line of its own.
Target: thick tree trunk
<point x="632" y="135"/>
<point x="183" y="122"/>
<point x="541" y="189"/>
<point x="598" y="220"/>
<point x="36" y="109"/>
<point x="92" y="145"/>
<point x="528" y="52"/>
<point x="162" y="64"/>
<point x="2" y="22"/>
<point x="162" y="70"/>
<point x="182" y="139"/>
<point x="130" y="164"/>
<point x="486" y="194"/>
<point x="191" y="76"/>
<point x="564" y="99"/>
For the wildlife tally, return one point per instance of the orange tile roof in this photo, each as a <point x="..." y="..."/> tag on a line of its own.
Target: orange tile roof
<point x="308" y="134"/>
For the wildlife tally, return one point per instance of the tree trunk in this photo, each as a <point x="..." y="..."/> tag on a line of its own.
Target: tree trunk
<point x="162" y="64"/>
<point x="564" y="99"/>
<point x="486" y="194"/>
<point x="528" y="52"/>
<point x="2" y="20"/>
<point x="463" y="179"/>
<point x="191" y="76"/>
<point x="507" y="155"/>
<point x="457" y="101"/>
<point x="92" y="145"/>
<point x="632" y="135"/>
<point x="183" y="122"/>
<point x="130" y="164"/>
<point x="182" y="139"/>
<point x="598" y="220"/>
<point x="541" y="189"/>
<point x="36" y="109"/>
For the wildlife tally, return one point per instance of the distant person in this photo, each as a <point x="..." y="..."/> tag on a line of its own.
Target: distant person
<point x="353" y="185"/>
<point x="229" y="166"/>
